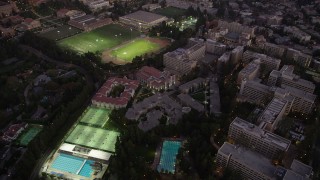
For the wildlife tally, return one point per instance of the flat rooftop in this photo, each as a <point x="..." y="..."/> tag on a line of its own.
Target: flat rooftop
<point x="273" y="109"/>
<point x="260" y="133"/>
<point x="189" y="101"/>
<point x="250" y="159"/>
<point x="144" y="16"/>
<point x="192" y="83"/>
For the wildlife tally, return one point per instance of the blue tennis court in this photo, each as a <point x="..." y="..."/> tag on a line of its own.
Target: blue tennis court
<point x="168" y="156"/>
<point x="73" y="164"/>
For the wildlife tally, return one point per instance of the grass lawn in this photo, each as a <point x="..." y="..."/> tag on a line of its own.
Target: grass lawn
<point x="170" y="12"/>
<point x="93" y="137"/>
<point x="99" y="39"/>
<point x="95" y="116"/>
<point x="135" y="48"/>
<point x="61" y="32"/>
<point x="29" y="134"/>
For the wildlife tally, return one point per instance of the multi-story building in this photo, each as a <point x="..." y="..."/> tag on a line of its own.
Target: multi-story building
<point x="154" y="78"/>
<point x="192" y="85"/>
<point x="215" y="47"/>
<point x="254" y="92"/>
<point x="269" y="62"/>
<point x="183" y="60"/>
<point x="214" y="98"/>
<point x="189" y="101"/>
<point x="299" y="57"/>
<point x="249" y="72"/>
<point x="98" y="5"/>
<point x="142" y="20"/>
<point x="286" y="77"/>
<point x="252" y="165"/>
<point x="236" y="54"/>
<point x="257" y="139"/>
<point x="297" y="33"/>
<point x="273" y="113"/>
<point x="236" y="27"/>
<point x="7" y="8"/>
<point x="273" y="49"/>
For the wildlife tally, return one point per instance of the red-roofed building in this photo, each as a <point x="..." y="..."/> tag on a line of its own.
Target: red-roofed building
<point x="154" y="78"/>
<point x="102" y="98"/>
<point x="13" y="131"/>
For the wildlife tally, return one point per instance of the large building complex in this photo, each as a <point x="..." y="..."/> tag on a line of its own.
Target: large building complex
<point x="252" y="165"/>
<point x="154" y="78"/>
<point x="269" y="62"/>
<point x="103" y="99"/>
<point x="299" y="57"/>
<point x="89" y="22"/>
<point x="249" y="72"/>
<point x="254" y="92"/>
<point x="286" y="77"/>
<point x="273" y="49"/>
<point x="236" y="27"/>
<point x="257" y="139"/>
<point x="183" y="60"/>
<point x="215" y="47"/>
<point x="273" y="113"/>
<point x="142" y="20"/>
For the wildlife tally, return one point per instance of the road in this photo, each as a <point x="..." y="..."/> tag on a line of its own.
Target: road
<point x="89" y="80"/>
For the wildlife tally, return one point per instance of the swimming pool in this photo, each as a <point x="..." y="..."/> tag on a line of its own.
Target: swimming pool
<point x="73" y="164"/>
<point x="168" y="156"/>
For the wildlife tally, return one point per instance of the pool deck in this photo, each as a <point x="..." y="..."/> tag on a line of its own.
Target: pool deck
<point x="157" y="157"/>
<point x="48" y="169"/>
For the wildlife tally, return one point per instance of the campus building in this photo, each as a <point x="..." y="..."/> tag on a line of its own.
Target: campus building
<point x="269" y="62"/>
<point x="257" y="139"/>
<point x="187" y="100"/>
<point x="249" y="72"/>
<point x="286" y="77"/>
<point x="192" y="85"/>
<point x="236" y="54"/>
<point x="273" y="113"/>
<point x="183" y="60"/>
<point x="155" y="79"/>
<point x="142" y="20"/>
<point x="89" y="22"/>
<point x="214" y="98"/>
<point x="235" y="27"/>
<point x="98" y="5"/>
<point x="252" y="165"/>
<point x="254" y="92"/>
<point x="273" y="49"/>
<point x="215" y="47"/>
<point x="7" y="8"/>
<point x="103" y="99"/>
<point x="299" y="57"/>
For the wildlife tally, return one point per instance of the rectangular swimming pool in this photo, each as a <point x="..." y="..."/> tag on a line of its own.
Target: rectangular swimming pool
<point x="73" y="164"/>
<point x="168" y="156"/>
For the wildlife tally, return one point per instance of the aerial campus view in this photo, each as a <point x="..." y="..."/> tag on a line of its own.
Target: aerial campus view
<point x="168" y="89"/>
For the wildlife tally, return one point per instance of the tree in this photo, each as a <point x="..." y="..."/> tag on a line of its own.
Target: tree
<point x="163" y="3"/>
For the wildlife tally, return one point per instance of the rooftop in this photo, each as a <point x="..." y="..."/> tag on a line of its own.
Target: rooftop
<point x="250" y="159"/>
<point x="143" y="16"/>
<point x="301" y="168"/>
<point x="188" y="100"/>
<point x="262" y="134"/>
<point x="192" y="83"/>
<point x="273" y="109"/>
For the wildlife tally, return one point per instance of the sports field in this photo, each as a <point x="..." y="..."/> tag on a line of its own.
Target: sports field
<point x="61" y="32"/>
<point x="170" y="12"/>
<point x="29" y="134"/>
<point x="99" y="39"/>
<point x="135" y="48"/>
<point x="93" y="137"/>
<point x="95" y="116"/>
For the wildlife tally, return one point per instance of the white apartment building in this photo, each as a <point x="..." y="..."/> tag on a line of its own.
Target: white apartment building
<point x="215" y="47"/>
<point x="273" y="49"/>
<point x="257" y="139"/>
<point x="254" y="92"/>
<point x="269" y="62"/>
<point x="286" y="77"/>
<point x="299" y="57"/>
<point x="249" y="72"/>
<point x="236" y="54"/>
<point x="183" y="60"/>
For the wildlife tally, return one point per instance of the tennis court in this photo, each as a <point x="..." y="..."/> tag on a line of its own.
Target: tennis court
<point x="92" y="137"/>
<point x="29" y="134"/>
<point x="95" y="116"/>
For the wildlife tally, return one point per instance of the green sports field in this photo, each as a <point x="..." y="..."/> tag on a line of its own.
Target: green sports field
<point x="99" y="39"/>
<point x="92" y="137"/>
<point x="95" y="116"/>
<point x="135" y="48"/>
<point x="29" y="134"/>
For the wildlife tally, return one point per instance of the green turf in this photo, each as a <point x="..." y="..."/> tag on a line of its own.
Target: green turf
<point x="92" y="137"/>
<point x="99" y="39"/>
<point x="61" y="32"/>
<point x="95" y="116"/>
<point x="135" y="48"/>
<point x="170" y="12"/>
<point x="29" y="134"/>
